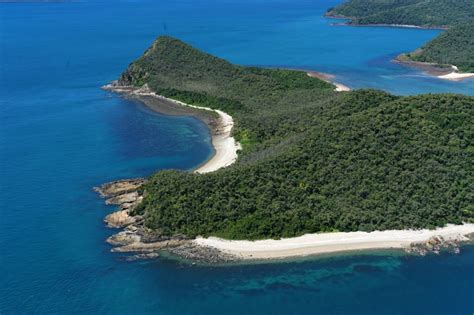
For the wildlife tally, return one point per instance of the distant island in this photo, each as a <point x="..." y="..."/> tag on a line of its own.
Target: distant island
<point x="449" y="56"/>
<point x="310" y="159"/>
<point x="421" y="13"/>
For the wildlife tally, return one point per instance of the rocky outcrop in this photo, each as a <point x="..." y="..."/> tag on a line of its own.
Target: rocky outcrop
<point x="125" y="194"/>
<point x="209" y="255"/>
<point x="437" y="244"/>
<point x="120" y="187"/>
<point x="123" y="199"/>
<point x="136" y="238"/>
<point x="121" y="219"/>
<point x="142" y="256"/>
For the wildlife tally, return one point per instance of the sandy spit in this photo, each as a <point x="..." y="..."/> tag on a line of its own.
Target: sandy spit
<point x="456" y="75"/>
<point x="321" y="243"/>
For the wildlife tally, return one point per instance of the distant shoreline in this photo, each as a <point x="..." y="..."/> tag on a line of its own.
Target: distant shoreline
<point x="448" y="72"/>
<point x="420" y="241"/>
<point x="339" y="17"/>
<point x="224" y="145"/>
<point x="391" y="26"/>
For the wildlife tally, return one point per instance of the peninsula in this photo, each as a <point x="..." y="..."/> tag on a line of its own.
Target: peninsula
<point x="405" y="13"/>
<point x="310" y="161"/>
<point x="449" y="56"/>
<point x="452" y="52"/>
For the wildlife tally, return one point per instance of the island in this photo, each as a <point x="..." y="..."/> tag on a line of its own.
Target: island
<point x="314" y="165"/>
<point x="449" y="56"/>
<point x="408" y="13"/>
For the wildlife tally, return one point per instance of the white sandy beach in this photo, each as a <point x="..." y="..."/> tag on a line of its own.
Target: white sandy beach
<point x="456" y="76"/>
<point x="311" y="244"/>
<point x="224" y="145"/>
<point x="404" y="26"/>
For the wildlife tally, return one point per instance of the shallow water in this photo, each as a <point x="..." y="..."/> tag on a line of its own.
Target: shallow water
<point x="61" y="135"/>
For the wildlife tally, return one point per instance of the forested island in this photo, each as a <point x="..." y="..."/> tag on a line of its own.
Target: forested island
<point x="451" y="48"/>
<point x="312" y="160"/>
<point x="422" y="13"/>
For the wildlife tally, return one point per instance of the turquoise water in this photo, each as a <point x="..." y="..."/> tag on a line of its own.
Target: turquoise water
<point x="60" y="135"/>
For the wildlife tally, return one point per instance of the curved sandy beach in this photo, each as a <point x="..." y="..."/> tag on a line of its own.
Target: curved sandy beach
<point x="320" y="243"/>
<point x="225" y="146"/>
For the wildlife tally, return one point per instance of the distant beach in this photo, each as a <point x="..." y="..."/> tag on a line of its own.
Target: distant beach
<point x="455" y="75"/>
<point x="387" y="25"/>
<point x="349" y="23"/>
<point x="448" y="72"/>
<point x="324" y="243"/>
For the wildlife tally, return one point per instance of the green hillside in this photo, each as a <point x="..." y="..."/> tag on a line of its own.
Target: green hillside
<point x="313" y="159"/>
<point x="428" y="13"/>
<point x="453" y="47"/>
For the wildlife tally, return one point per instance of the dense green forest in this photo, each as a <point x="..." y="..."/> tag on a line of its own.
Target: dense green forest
<point x="428" y="13"/>
<point x="453" y="47"/>
<point x="314" y="160"/>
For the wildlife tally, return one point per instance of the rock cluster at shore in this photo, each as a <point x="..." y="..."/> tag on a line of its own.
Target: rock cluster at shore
<point x="123" y="193"/>
<point x="136" y="238"/>
<point x="436" y="244"/>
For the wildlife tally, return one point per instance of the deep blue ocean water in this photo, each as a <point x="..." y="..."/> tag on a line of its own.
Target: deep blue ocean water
<point x="60" y="135"/>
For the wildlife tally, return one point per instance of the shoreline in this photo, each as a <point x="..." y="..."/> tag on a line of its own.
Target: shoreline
<point x="456" y="76"/>
<point x="448" y="72"/>
<point x="391" y="26"/>
<point x="127" y="194"/>
<point x="139" y="242"/>
<point x="341" y="17"/>
<point x="418" y="241"/>
<point x="224" y="145"/>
